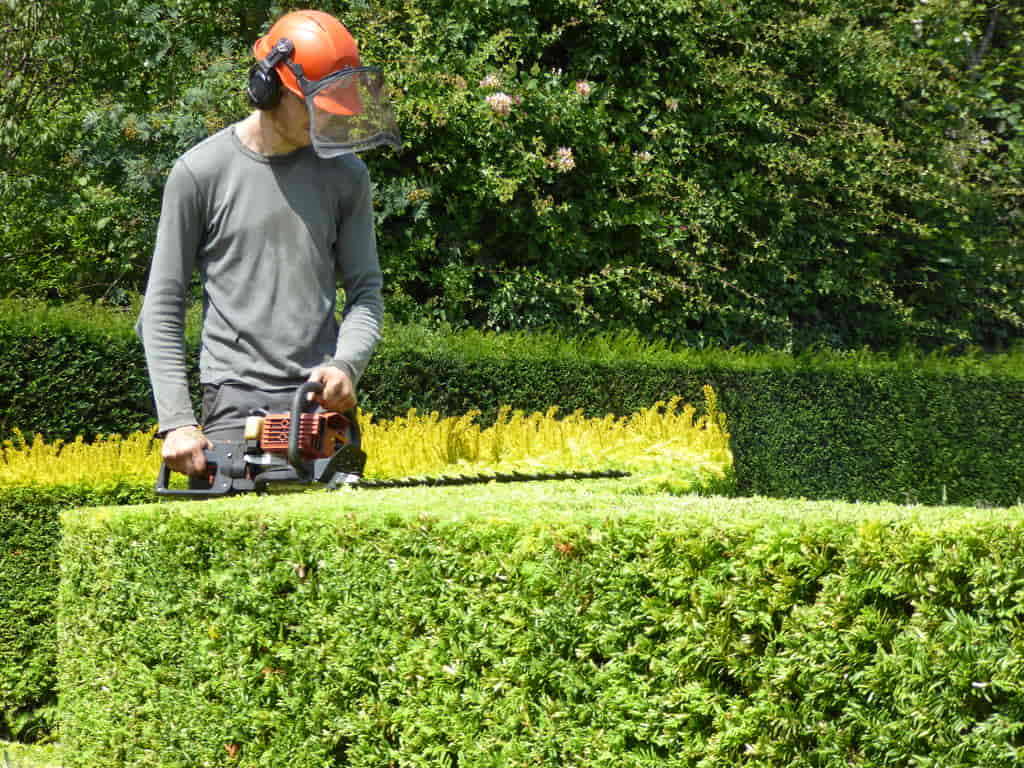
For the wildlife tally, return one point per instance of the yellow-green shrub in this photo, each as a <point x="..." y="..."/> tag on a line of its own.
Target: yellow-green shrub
<point x="668" y="439"/>
<point x="108" y="459"/>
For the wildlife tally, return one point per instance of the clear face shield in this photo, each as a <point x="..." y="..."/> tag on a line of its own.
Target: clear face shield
<point x="349" y="111"/>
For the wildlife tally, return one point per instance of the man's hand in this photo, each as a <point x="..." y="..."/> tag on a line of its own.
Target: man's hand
<point x="183" y="450"/>
<point x="339" y="394"/>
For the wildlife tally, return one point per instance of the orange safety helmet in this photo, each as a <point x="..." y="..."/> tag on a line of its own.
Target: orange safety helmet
<point x="322" y="46"/>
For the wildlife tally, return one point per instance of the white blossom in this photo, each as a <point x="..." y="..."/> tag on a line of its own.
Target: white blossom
<point x="500" y="102"/>
<point x="563" y="161"/>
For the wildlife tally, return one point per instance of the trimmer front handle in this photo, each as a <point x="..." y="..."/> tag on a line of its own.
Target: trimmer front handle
<point x="299" y="403"/>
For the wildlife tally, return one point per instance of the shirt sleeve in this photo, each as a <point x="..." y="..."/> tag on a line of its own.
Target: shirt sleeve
<point x="359" y="266"/>
<point x="161" y="323"/>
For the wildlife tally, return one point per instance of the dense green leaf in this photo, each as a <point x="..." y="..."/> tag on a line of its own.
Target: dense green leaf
<point x="541" y="626"/>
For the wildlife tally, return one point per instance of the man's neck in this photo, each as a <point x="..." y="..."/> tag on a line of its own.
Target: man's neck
<point x="260" y="133"/>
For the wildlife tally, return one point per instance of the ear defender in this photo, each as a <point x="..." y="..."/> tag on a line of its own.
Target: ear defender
<point x="264" y="87"/>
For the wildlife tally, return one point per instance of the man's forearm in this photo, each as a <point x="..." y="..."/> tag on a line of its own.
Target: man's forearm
<point x="162" y="330"/>
<point x="358" y="338"/>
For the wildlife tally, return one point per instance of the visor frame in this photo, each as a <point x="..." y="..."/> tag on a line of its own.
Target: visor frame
<point x="311" y="89"/>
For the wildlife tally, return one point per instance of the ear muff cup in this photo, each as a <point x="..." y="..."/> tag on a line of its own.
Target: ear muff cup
<point x="264" y="88"/>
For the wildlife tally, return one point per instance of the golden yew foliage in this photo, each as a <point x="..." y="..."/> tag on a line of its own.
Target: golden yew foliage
<point x="666" y="440"/>
<point x="109" y="459"/>
<point x="668" y="436"/>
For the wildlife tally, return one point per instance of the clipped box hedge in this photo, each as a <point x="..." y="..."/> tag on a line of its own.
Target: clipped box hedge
<point x="550" y="625"/>
<point x="913" y="430"/>
<point x="29" y="534"/>
<point x="853" y="426"/>
<point x="73" y="370"/>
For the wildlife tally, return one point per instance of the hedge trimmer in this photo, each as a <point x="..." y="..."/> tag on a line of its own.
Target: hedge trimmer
<point x="319" y="449"/>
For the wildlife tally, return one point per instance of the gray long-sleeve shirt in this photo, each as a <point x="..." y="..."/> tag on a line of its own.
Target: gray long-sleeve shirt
<point x="270" y="236"/>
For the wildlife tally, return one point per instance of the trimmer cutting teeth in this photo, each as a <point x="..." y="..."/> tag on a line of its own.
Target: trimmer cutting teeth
<point x="288" y="450"/>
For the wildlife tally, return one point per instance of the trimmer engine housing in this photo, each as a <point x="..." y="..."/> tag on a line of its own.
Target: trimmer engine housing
<point x="320" y="434"/>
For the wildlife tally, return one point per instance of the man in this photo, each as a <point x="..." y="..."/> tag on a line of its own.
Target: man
<point x="271" y="210"/>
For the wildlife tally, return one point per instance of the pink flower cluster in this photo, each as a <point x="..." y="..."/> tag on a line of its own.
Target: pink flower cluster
<point x="500" y="102"/>
<point x="583" y="88"/>
<point x="563" y="162"/>
<point x="491" y="81"/>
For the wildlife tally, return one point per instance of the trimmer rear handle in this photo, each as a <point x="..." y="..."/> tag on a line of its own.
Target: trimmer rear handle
<point x="222" y="459"/>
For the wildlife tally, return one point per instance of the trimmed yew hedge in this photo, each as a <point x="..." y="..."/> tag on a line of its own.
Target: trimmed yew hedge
<point x="552" y="625"/>
<point x="29" y="534"/>
<point x="854" y="426"/>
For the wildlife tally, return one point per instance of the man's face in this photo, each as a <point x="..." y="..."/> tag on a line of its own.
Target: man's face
<point x="292" y="120"/>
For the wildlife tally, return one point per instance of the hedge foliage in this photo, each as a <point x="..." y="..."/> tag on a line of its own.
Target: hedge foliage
<point x="896" y="431"/>
<point x="664" y="449"/>
<point x="72" y="370"/>
<point x="856" y="425"/>
<point x="545" y="627"/>
<point x="750" y="172"/>
<point x="29" y="533"/>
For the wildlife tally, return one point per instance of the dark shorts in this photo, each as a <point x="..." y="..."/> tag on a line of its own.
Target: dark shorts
<point x="226" y="407"/>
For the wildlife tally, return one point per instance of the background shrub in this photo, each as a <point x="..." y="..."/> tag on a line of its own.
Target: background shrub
<point x="743" y="173"/>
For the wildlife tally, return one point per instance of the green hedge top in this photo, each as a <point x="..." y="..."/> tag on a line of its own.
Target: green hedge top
<point x="74" y="318"/>
<point x="630" y="347"/>
<point x="101" y="322"/>
<point x="551" y="507"/>
<point x="550" y="625"/>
